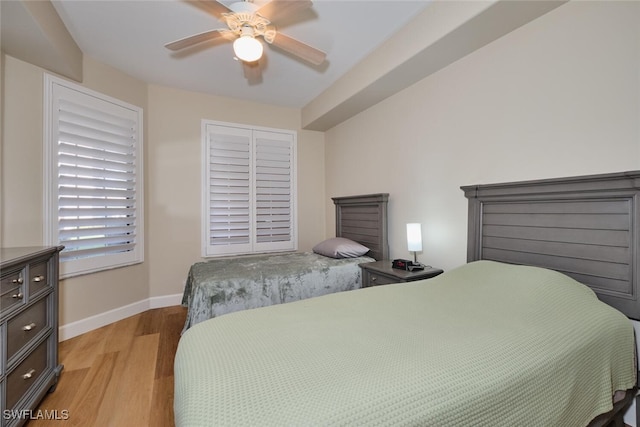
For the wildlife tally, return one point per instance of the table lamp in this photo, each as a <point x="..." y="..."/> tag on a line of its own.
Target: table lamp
<point x="414" y="239"/>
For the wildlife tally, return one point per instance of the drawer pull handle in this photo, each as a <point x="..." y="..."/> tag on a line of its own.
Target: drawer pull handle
<point x="17" y="296"/>
<point x="374" y="278"/>
<point x="18" y="281"/>
<point x="29" y="327"/>
<point x="29" y="374"/>
<point x="38" y="278"/>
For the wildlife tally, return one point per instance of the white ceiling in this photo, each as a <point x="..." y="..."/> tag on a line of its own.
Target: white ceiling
<point x="130" y="36"/>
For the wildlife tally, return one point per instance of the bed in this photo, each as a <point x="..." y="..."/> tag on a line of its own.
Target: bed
<point x="227" y="285"/>
<point x="502" y="340"/>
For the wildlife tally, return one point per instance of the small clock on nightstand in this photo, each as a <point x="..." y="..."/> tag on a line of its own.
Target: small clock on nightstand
<point x="381" y="273"/>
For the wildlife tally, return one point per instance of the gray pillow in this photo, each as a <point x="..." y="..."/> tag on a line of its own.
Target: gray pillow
<point x="339" y="247"/>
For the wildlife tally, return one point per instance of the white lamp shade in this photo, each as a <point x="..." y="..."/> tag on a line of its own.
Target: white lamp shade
<point x="247" y="48"/>
<point x="414" y="237"/>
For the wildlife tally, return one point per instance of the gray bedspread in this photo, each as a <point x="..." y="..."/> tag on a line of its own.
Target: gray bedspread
<point x="226" y="285"/>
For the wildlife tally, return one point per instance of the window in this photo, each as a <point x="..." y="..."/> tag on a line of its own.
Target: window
<point x="93" y="178"/>
<point x="248" y="189"/>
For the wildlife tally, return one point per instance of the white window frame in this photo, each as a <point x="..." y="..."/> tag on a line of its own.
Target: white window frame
<point x="253" y="247"/>
<point x="55" y="90"/>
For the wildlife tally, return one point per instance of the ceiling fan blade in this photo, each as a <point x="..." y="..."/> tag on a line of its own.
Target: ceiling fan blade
<point x="299" y="49"/>
<point x="280" y="9"/>
<point x="199" y="38"/>
<point x="211" y="6"/>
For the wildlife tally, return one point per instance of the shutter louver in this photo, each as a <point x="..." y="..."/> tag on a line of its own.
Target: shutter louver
<point x="96" y="182"/>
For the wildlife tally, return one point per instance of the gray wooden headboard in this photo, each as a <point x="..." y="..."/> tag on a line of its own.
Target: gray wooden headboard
<point x="363" y="219"/>
<point x="587" y="227"/>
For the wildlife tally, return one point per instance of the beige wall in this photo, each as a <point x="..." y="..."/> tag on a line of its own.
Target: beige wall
<point x="175" y="173"/>
<point x="557" y="97"/>
<point x="22" y="214"/>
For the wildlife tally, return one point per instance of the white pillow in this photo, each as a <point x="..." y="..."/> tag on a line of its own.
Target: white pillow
<point x="339" y="247"/>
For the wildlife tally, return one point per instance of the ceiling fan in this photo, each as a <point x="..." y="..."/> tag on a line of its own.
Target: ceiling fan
<point x="246" y="22"/>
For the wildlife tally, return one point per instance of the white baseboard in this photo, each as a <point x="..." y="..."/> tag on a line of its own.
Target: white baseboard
<point x="80" y="327"/>
<point x="165" y="301"/>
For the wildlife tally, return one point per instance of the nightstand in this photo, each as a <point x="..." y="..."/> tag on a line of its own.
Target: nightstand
<point x="381" y="273"/>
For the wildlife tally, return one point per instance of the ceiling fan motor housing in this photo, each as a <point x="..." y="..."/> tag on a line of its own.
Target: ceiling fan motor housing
<point x="239" y="21"/>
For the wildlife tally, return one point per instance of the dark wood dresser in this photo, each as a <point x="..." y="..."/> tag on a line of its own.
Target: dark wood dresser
<point x="29" y="330"/>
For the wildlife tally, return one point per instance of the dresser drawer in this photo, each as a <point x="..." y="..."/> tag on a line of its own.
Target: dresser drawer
<point x="11" y="279"/>
<point x="11" y="289"/>
<point x="379" y="279"/>
<point x="26" y="374"/>
<point x="26" y="326"/>
<point x="38" y="277"/>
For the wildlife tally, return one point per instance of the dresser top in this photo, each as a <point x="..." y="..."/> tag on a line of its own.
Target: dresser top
<point x="385" y="267"/>
<point x="18" y="254"/>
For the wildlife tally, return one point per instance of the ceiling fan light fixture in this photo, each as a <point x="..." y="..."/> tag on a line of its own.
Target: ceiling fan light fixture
<point x="247" y="48"/>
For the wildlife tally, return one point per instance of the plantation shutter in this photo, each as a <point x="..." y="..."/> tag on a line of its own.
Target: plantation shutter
<point x="229" y="182"/>
<point x="249" y="199"/>
<point x="95" y="197"/>
<point x="96" y="182"/>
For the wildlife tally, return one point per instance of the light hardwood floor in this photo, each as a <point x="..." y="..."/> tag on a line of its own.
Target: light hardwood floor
<point x="119" y="375"/>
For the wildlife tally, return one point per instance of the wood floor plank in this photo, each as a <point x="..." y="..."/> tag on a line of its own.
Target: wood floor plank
<point x="85" y="349"/>
<point x="61" y="399"/>
<point x="65" y="348"/>
<point x="150" y="322"/>
<point x="133" y="386"/>
<point x="169" y="337"/>
<point x="162" y="403"/>
<point x="120" y="334"/>
<point x="84" y="407"/>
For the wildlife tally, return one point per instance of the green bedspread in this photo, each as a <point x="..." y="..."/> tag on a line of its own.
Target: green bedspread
<point x="486" y="344"/>
<point x="225" y="285"/>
